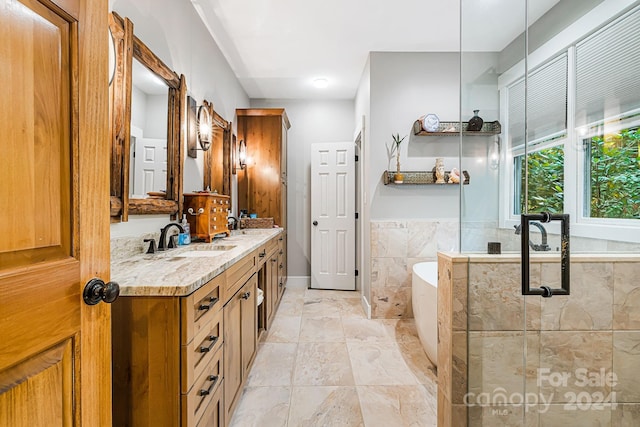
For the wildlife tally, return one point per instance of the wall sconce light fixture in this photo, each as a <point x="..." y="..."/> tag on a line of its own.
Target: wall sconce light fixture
<point x="112" y="57"/>
<point x="204" y="127"/>
<point x="200" y="127"/>
<point x="242" y="154"/>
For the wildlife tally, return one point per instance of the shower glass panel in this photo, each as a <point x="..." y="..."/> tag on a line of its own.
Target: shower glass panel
<point x="562" y="78"/>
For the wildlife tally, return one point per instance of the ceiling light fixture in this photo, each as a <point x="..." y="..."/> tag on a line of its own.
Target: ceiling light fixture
<point x="321" y="83"/>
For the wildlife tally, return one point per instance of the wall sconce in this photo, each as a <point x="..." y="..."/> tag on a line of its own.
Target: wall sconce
<point x="204" y="127"/>
<point x="200" y="127"/>
<point x="242" y="154"/>
<point x="112" y="57"/>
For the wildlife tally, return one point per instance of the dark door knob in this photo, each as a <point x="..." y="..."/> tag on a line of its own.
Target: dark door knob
<point x="315" y="223"/>
<point x="96" y="290"/>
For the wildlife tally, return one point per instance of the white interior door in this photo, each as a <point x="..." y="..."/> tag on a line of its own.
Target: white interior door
<point x="150" y="165"/>
<point x="333" y="216"/>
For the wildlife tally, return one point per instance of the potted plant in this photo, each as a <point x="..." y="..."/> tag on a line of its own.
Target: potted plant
<point x="395" y="149"/>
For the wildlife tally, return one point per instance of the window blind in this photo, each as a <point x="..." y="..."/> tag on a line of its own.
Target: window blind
<point x="546" y="112"/>
<point x="608" y="71"/>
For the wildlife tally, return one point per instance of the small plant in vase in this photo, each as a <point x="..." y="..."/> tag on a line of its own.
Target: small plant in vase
<point x="395" y="149"/>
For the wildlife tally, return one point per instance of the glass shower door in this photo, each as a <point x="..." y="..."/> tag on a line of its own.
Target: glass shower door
<point x="567" y="91"/>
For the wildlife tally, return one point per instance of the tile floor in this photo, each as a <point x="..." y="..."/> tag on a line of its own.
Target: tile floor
<point x="324" y="364"/>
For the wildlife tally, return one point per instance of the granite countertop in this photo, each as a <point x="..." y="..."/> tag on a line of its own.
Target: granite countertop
<point x="171" y="273"/>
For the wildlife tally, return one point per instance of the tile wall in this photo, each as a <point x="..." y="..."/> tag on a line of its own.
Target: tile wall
<point x="583" y="350"/>
<point x="395" y="247"/>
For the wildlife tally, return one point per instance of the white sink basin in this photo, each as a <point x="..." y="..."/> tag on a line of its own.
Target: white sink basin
<point x="200" y="254"/>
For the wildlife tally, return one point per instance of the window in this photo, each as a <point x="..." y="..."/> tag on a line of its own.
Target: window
<point x="546" y="181"/>
<point x="612" y="175"/>
<point x="582" y="133"/>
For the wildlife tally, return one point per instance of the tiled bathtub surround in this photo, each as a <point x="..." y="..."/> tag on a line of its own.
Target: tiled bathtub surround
<point x="395" y="247"/>
<point x="594" y="330"/>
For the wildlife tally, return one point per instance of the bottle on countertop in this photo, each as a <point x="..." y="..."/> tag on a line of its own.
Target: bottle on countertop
<point x="185" y="238"/>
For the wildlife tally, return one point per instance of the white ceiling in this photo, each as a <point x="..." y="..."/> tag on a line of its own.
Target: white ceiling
<point x="278" y="47"/>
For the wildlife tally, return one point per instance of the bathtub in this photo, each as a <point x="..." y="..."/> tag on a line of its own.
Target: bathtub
<point x="424" y="299"/>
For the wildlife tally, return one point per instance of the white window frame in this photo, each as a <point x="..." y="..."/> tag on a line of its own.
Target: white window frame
<point x="624" y="230"/>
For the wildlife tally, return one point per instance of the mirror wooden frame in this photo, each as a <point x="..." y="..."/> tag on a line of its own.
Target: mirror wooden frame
<point x="211" y="179"/>
<point x="128" y="46"/>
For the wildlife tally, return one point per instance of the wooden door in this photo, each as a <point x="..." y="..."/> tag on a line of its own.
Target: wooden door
<point x="333" y="216"/>
<point x="249" y="323"/>
<point x="54" y="231"/>
<point x="232" y="353"/>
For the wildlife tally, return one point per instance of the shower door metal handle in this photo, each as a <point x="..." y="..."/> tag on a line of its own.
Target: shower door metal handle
<point x="543" y="290"/>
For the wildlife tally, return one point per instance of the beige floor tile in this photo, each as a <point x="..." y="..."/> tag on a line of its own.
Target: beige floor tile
<point x="321" y="307"/>
<point x="321" y="329"/>
<point x="273" y="365"/>
<point x="326" y="293"/>
<point x="397" y="406"/>
<point x="416" y="359"/>
<point x="323" y="364"/>
<point x="262" y="407"/>
<point x="365" y="330"/>
<point x="325" y="407"/>
<point x="284" y="329"/>
<point x="351" y="308"/>
<point x="291" y="306"/>
<point x="379" y="363"/>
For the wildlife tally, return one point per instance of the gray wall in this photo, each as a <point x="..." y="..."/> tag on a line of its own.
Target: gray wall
<point x="173" y="31"/>
<point x="311" y="121"/>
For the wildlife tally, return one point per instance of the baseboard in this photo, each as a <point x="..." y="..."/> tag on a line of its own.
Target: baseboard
<point x="298" y="282"/>
<point x="366" y="306"/>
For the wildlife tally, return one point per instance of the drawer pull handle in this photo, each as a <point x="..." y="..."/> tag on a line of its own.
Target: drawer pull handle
<point x="281" y="284"/>
<point x="280" y="239"/>
<point x="207" y="392"/>
<point x="281" y="251"/>
<point x="213" y="340"/>
<point x="246" y="295"/>
<point x="281" y="266"/>
<point x="274" y="260"/>
<point x="263" y="253"/>
<point x="212" y="302"/>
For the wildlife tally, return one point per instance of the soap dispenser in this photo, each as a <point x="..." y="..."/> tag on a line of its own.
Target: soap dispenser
<point x="185" y="238"/>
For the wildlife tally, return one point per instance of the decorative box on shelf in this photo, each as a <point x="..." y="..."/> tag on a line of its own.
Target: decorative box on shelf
<point x="207" y="214"/>
<point x="453" y="128"/>
<point x="420" y="178"/>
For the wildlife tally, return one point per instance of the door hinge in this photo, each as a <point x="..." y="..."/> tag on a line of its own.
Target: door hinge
<point x="356" y="215"/>
<point x="356" y="273"/>
<point x="356" y="157"/>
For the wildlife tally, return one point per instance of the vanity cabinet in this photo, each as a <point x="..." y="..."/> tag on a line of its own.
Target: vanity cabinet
<point x="184" y="360"/>
<point x="168" y="358"/>
<point x="240" y="317"/>
<point x="262" y="185"/>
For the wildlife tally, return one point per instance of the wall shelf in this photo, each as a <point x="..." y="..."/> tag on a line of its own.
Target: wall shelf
<point x="453" y="129"/>
<point x="421" y="178"/>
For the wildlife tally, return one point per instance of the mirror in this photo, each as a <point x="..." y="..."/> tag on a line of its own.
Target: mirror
<point x="148" y="140"/>
<point x="148" y="110"/>
<point x="217" y="160"/>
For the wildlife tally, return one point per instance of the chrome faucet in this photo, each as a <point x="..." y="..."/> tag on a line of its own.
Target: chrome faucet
<point x="543" y="246"/>
<point x="163" y="236"/>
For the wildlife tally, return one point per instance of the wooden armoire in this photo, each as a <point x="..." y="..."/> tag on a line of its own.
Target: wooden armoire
<point x="262" y="185"/>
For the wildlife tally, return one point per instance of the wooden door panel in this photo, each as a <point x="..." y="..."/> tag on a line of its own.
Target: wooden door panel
<point x="54" y="172"/>
<point x="35" y="171"/>
<point x="50" y="292"/>
<point x="46" y="378"/>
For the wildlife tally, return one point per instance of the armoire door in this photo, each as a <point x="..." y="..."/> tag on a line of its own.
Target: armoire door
<point x="55" y="350"/>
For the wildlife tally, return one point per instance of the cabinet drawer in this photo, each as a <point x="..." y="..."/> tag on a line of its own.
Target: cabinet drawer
<point x="197" y="355"/>
<point x="272" y="245"/>
<point x="200" y="307"/>
<point x="214" y="412"/>
<point x="195" y="403"/>
<point x="239" y="273"/>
